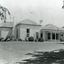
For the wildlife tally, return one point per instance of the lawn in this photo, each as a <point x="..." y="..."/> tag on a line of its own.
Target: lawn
<point x="11" y="52"/>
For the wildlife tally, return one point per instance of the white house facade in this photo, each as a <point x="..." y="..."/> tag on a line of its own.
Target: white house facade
<point x="27" y="28"/>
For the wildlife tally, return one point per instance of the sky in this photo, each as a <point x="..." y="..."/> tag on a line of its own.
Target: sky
<point x="50" y="11"/>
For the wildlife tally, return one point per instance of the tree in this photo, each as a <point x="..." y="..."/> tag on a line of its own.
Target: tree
<point x="3" y="12"/>
<point x="63" y="5"/>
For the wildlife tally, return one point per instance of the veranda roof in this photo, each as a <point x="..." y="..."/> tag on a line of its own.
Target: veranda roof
<point x="50" y="27"/>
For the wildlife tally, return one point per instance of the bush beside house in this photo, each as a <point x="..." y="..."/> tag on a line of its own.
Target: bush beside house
<point x="31" y="38"/>
<point x="8" y="38"/>
<point x="1" y="38"/>
<point x="40" y="39"/>
<point x="20" y="39"/>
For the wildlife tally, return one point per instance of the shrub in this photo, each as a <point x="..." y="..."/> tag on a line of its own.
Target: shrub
<point x="60" y="39"/>
<point x="15" y="39"/>
<point x="31" y="38"/>
<point x="1" y="38"/>
<point x="36" y="40"/>
<point x="8" y="38"/>
<point x="26" y="39"/>
<point x="40" y="39"/>
<point x="19" y="39"/>
<point x="12" y="38"/>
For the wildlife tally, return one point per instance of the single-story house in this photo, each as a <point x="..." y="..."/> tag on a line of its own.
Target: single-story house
<point x="27" y="28"/>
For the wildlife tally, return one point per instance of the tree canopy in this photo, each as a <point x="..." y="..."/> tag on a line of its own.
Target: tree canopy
<point x="3" y="12"/>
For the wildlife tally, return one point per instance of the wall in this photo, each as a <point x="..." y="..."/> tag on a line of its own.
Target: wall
<point x="6" y="32"/>
<point x="22" y="30"/>
<point x="29" y="26"/>
<point x="22" y="33"/>
<point x="33" y="32"/>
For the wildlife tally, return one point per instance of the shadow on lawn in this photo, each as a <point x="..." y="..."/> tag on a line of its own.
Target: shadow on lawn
<point x="52" y="57"/>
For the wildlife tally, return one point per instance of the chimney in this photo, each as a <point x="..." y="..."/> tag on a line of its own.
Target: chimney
<point x="41" y="22"/>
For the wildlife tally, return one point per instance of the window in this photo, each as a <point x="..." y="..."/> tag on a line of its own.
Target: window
<point x="53" y="35"/>
<point x="57" y="36"/>
<point x="27" y="32"/>
<point x="41" y="35"/>
<point x="61" y="34"/>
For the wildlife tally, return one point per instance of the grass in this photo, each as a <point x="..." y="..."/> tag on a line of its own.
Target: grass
<point x="17" y="51"/>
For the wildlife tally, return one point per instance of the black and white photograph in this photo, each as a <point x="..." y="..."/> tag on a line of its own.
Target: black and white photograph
<point x="31" y="31"/>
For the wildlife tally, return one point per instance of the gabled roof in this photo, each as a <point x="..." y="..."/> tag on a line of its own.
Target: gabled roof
<point x="6" y="24"/>
<point x="50" y="26"/>
<point x="28" y="22"/>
